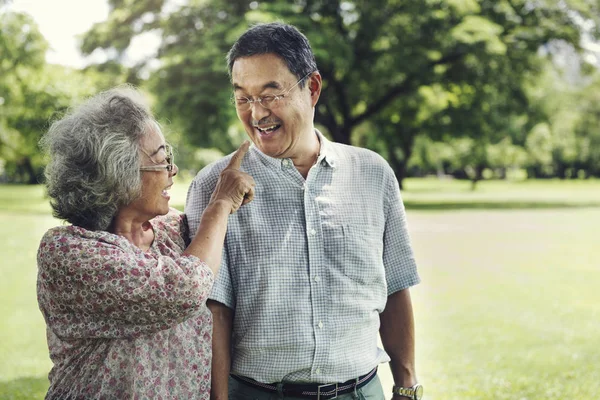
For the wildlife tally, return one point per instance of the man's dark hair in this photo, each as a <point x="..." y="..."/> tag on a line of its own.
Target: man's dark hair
<point x="283" y="40"/>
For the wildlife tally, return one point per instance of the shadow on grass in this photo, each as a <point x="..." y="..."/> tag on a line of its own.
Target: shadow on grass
<point x="27" y="388"/>
<point x="491" y="205"/>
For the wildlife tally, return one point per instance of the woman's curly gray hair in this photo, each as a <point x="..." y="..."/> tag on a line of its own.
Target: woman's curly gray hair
<point x="94" y="157"/>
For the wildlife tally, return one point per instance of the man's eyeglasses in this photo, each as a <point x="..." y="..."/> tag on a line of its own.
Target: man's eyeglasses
<point x="270" y="102"/>
<point x="169" y="160"/>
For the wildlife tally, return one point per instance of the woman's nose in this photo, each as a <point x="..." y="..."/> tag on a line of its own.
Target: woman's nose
<point x="175" y="170"/>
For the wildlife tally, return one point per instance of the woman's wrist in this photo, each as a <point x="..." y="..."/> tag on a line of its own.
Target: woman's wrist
<point x="219" y="205"/>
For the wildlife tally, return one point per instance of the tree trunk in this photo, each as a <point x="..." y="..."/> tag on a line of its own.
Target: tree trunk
<point x="28" y="173"/>
<point x="399" y="167"/>
<point x="561" y="170"/>
<point x="342" y="134"/>
<point x="502" y="173"/>
<point x="477" y="176"/>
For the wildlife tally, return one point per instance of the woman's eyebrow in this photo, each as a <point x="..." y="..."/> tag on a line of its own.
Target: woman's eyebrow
<point x="162" y="146"/>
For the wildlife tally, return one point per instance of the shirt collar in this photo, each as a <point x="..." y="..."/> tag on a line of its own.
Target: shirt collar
<point x="327" y="155"/>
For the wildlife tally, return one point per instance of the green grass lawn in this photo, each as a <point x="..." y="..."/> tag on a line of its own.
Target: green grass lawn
<point x="507" y="307"/>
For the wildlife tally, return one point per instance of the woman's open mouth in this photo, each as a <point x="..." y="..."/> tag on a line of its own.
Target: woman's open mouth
<point x="165" y="192"/>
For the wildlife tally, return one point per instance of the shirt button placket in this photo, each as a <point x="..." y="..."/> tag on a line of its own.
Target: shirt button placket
<point x="316" y="264"/>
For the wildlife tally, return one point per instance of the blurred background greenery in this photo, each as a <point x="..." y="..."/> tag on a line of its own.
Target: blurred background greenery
<point x="488" y="112"/>
<point x="473" y="89"/>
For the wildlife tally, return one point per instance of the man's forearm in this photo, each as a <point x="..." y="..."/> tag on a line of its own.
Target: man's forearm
<point x="221" y="347"/>
<point x="398" y="337"/>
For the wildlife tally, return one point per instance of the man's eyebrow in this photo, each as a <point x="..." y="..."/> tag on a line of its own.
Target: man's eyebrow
<point x="268" y="85"/>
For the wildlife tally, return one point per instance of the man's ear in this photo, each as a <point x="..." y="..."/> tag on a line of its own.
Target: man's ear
<point x="315" y="84"/>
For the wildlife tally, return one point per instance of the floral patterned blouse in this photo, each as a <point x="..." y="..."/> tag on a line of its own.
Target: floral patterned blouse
<point x="123" y="323"/>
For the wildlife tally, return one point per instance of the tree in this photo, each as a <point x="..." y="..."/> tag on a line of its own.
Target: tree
<point x="587" y="130"/>
<point x="564" y="139"/>
<point x="380" y="59"/>
<point x="23" y="50"/>
<point x="192" y="84"/>
<point x="32" y="93"/>
<point x="377" y="58"/>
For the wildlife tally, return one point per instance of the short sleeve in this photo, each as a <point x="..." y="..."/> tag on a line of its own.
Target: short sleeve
<point x="398" y="257"/>
<point x="198" y="197"/>
<point x="223" y="288"/>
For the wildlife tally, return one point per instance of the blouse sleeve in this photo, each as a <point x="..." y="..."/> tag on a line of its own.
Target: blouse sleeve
<point x="98" y="285"/>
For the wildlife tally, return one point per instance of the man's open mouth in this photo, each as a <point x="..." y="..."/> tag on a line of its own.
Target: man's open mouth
<point x="267" y="129"/>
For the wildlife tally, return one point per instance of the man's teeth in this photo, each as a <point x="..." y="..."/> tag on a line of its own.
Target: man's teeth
<point x="268" y="128"/>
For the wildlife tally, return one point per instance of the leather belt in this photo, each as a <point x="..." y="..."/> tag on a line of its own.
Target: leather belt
<point x="311" y="390"/>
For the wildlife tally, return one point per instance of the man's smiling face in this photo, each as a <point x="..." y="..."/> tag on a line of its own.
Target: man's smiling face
<point x="287" y="130"/>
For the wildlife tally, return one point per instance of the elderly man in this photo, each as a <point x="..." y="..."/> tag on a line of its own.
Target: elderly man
<point x="320" y="262"/>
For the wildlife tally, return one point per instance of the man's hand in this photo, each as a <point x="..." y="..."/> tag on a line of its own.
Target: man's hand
<point x="234" y="186"/>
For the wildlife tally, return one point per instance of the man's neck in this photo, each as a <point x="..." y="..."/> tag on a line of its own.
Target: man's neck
<point x="304" y="161"/>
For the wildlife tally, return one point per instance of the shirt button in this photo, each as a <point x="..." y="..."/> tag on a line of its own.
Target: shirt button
<point x="317" y="278"/>
<point x="286" y="163"/>
<point x="318" y="371"/>
<point x="320" y="324"/>
<point x="313" y="232"/>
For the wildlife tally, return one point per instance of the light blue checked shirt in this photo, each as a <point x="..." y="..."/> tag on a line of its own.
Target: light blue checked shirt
<point x="308" y="265"/>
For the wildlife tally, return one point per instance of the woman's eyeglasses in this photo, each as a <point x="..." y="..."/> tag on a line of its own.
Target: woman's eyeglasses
<point x="168" y="159"/>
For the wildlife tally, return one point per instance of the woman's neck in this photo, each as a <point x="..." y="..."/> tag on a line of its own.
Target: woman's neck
<point x="138" y="231"/>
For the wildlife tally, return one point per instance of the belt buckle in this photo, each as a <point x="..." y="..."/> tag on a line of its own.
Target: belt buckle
<point x="327" y="384"/>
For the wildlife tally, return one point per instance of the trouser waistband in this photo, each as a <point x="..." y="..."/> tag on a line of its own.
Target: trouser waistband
<point x="311" y="390"/>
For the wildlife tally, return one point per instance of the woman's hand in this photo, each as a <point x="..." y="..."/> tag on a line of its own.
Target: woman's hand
<point x="234" y="186"/>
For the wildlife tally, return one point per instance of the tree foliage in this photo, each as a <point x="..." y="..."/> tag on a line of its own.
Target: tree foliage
<point x="192" y="84"/>
<point x="32" y="93"/>
<point x="587" y="130"/>
<point x="23" y="50"/>
<point x="442" y="68"/>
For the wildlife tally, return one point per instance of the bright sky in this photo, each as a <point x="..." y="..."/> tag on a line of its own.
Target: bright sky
<point x="61" y="21"/>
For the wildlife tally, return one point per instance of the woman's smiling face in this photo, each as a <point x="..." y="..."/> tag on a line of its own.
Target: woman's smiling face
<point x="154" y="199"/>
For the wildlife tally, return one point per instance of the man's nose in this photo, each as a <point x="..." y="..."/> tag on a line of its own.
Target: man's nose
<point x="259" y="111"/>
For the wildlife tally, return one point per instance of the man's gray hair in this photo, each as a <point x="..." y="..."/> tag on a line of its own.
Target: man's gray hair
<point x="94" y="157"/>
<point x="283" y="40"/>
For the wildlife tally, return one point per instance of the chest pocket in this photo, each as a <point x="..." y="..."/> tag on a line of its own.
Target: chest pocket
<point x="355" y="250"/>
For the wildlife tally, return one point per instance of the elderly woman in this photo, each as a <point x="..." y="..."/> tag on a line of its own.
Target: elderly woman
<point x="121" y="289"/>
